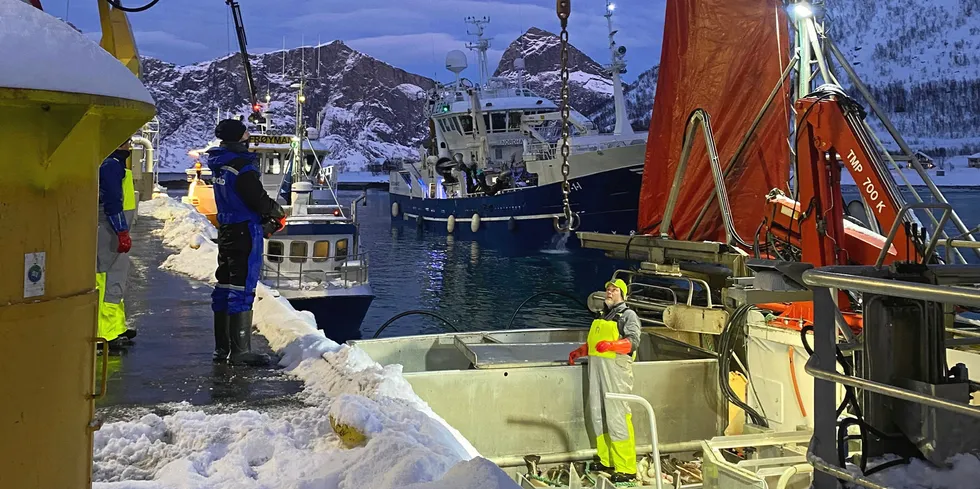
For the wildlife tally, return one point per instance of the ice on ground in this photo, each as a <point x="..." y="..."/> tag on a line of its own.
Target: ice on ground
<point x="407" y="446"/>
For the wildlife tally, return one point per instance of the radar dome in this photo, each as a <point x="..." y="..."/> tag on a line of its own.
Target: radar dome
<point x="456" y="61"/>
<point x="519" y="64"/>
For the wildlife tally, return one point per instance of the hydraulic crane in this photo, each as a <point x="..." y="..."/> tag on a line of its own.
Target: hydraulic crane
<point x="256" y="117"/>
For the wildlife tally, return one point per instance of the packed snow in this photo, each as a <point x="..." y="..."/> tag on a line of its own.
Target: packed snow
<point x="41" y="52"/>
<point x="407" y="445"/>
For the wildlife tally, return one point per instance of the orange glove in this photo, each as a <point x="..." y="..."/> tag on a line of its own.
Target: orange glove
<point x="575" y="355"/>
<point x="623" y="346"/>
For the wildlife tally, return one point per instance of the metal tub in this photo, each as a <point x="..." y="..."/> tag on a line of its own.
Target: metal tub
<point x="512" y="393"/>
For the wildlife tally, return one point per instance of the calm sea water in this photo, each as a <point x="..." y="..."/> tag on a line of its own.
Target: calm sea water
<point x="477" y="287"/>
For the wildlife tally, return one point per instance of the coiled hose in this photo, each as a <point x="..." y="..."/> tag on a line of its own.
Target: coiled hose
<point x="726" y="346"/>
<point x="117" y="4"/>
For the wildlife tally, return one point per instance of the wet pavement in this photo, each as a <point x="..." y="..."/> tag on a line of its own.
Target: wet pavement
<point x="170" y="360"/>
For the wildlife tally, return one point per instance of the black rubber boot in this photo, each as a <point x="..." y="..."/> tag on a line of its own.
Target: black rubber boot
<point x="623" y="480"/>
<point x="222" y="340"/>
<point x="240" y="331"/>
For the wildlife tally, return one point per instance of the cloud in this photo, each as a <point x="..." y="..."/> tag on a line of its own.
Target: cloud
<point x="403" y="33"/>
<point x="167" y="40"/>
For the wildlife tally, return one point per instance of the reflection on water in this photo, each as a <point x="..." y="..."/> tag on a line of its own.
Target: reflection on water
<point x="467" y="282"/>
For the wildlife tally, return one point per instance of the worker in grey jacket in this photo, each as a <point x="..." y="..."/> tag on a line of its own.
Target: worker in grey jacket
<point x="611" y="349"/>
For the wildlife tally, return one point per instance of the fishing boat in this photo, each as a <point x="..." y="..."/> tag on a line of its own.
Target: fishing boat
<point x="494" y="170"/>
<point x="783" y="315"/>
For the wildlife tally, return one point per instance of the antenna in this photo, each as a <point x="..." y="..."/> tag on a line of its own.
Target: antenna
<point x="617" y="67"/>
<point x="481" y="45"/>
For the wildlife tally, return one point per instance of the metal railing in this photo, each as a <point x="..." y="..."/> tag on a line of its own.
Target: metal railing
<point x="349" y="270"/>
<point x="822" y="363"/>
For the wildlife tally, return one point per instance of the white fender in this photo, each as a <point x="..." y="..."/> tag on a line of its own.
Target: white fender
<point x="394" y="209"/>
<point x="475" y="223"/>
<point x="451" y="224"/>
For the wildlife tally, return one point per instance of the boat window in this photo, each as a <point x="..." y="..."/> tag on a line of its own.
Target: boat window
<point x="499" y="121"/>
<point x="442" y="125"/>
<point x="514" y="120"/>
<point x="321" y="251"/>
<point x="486" y="122"/>
<point x="298" y="251"/>
<point x="466" y="122"/>
<point x="498" y="153"/>
<point x="341" y="249"/>
<point x="454" y="124"/>
<point x="275" y="251"/>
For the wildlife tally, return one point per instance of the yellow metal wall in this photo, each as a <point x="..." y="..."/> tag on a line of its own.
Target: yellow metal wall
<point x="52" y="144"/>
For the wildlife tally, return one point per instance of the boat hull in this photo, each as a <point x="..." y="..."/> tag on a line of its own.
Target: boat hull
<point x="338" y="315"/>
<point x="606" y="202"/>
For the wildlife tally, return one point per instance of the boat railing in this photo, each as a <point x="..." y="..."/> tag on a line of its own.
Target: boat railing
<point x="331" y="272"/>
<point x="822" y="365"/>
<point x="548" y="151"/>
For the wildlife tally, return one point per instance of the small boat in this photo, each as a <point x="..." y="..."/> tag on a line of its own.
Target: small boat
<point x="316" y="262"/>
<point x="494" y="170"/>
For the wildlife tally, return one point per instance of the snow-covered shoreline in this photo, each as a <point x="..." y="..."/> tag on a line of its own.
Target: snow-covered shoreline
<point x="408" y="445"/>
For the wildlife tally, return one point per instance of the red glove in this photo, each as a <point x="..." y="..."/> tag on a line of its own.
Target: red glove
<point x="125" y="243"/>
<point x="581" y="352"/>
<point x="622" y="346"/>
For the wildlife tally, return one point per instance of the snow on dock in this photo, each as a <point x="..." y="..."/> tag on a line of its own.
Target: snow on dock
<point x="408" y="445"/>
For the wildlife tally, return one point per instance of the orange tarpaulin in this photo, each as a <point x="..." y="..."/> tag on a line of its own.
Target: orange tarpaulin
<point x="723" y="56"/>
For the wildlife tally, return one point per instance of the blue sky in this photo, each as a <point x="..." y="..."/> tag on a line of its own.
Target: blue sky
<point x="411" y="34"/>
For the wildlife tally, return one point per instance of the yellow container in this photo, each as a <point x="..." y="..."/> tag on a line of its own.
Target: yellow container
<point x="55" y="129"/>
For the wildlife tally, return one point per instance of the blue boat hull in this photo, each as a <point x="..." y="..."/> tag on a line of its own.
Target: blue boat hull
<point x="606" y="202"/>
<point x="339" y="317"/>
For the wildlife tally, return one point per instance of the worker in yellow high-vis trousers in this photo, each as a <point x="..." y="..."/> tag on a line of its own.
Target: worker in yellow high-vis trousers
<point x="117" y="198"/>
<point x="611" y="349"/>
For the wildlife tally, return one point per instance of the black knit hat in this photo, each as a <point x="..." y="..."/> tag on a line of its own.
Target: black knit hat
<point x="230" y="130"/>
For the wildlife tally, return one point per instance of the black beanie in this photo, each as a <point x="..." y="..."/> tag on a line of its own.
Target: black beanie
<point x="230" y="130"/>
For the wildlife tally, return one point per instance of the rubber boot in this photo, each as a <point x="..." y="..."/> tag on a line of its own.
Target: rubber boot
<point x="222" y="340"/>
<point x="240" y="330"/>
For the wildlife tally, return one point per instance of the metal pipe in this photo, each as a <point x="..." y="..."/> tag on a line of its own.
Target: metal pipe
<point x="588" y="453"/>
<point x="148" y="148"/>
<point x="653" y="429"/>
<point x="963" y="332"/>
<point x="792" y="471"/>
<point x="894" y="288"/>
<point x="898" y="137"/>
<point x="898" y="223"/>
<point x="746" y="139"/>
<point x="700" y="118"/>
<point x="888" y="390"/>
<point x="819" y="464"/>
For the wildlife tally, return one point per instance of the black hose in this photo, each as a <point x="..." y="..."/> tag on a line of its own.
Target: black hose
<point x="725" y="349"/>
<point x="555" y="292"/>
<point x="118" y="4"/>
<point x="409" y="313"/>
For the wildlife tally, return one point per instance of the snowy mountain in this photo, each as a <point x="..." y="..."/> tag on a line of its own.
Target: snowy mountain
<point x="919" y="58"/>
<point x="590" y="86"/>
<point x="366" y="109"/>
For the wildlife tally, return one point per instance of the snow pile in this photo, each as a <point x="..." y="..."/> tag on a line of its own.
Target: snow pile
<point x="407" y="445"/>
<point x="41" y="52"/>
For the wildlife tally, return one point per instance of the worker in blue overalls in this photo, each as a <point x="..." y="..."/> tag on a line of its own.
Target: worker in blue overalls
<point x="246" y="214"/>
<point x="117" y="200"/>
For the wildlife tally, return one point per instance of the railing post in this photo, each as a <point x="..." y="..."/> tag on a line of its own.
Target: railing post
<point x="824" y="392"/>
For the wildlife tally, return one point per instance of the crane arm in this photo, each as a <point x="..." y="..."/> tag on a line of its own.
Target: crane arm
<point x="246" y="64"/>
<point x="829" y="127"/>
